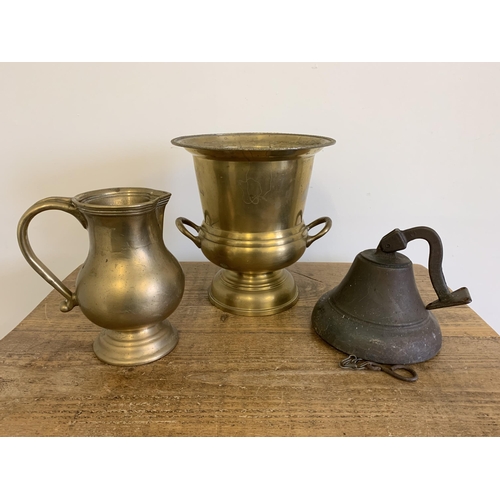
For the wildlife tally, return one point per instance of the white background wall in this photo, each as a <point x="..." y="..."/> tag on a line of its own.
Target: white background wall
<point x="417" y="144"/>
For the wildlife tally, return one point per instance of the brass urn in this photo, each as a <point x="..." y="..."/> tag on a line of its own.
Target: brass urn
<point x="253" y="189"/>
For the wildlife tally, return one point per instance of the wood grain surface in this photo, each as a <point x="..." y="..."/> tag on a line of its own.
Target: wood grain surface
<point x="238" y="376"/>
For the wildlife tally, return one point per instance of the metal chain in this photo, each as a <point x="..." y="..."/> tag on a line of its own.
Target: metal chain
<point x="352" y="362"/>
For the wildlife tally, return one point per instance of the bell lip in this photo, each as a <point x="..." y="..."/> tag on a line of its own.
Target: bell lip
<point x="381" y="343"/>
<point x="93" y="201"/>
<point x="262" y="142"/>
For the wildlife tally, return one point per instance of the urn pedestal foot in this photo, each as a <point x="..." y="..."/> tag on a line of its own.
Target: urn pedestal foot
<point x="248" y="294"/>
<point x="136" y="347"/>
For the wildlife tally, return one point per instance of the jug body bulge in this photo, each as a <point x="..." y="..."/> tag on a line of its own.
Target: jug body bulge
<point x="128" y="283"/>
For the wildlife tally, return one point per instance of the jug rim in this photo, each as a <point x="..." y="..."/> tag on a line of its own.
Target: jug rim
<point x="120" y="200"/>
<point x="254" y="141"/>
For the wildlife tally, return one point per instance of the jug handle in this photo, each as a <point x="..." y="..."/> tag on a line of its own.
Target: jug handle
<point x="398" y="240"/>
<point x="322" y="220"/>
<point x="180" y="221"/>
<point x="52" y="203"/>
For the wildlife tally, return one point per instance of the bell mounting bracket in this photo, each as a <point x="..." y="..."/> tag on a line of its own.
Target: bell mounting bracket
<point x="398" y="240"/>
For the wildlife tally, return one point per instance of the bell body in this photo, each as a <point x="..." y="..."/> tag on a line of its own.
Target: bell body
<point x="377" y="314"/>
<point x="253" y="190"/>
<point x="129" y="283"/>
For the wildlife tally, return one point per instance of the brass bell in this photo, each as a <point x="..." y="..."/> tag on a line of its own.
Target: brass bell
<point x="376" y="312"/>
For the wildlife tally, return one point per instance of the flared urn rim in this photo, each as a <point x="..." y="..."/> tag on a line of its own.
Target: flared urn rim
<point x="254" y="145"/>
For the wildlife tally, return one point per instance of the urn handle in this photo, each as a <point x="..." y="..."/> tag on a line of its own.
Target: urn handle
<point x="181" y="223"/>
<point x="52" y="203"/>
<point x="322" y="220"/>
<point x="398" y="240"/>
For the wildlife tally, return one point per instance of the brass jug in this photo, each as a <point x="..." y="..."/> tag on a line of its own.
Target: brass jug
<point x="376" y="312"/>
<point x="129" y="283"/>
<point x="253" y="189"/>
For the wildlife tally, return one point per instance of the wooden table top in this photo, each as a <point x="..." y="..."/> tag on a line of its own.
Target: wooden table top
<point x="238" y="376"/>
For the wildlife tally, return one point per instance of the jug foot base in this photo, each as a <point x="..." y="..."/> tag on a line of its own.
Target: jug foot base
<point x="136" y="347"/>
<point x="245" y="294"/>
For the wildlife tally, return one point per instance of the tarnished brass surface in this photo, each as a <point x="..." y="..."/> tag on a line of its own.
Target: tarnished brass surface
<point x="253" y="189"/>
<point x="130" y="283"/>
